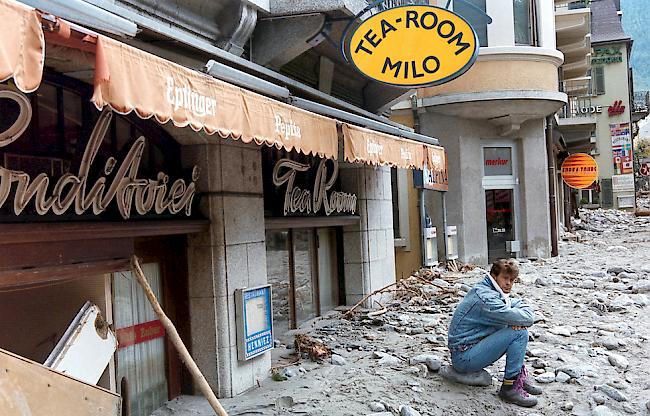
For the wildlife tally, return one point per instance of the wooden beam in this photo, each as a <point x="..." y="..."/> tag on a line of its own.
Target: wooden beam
<point x="53" y="232"/>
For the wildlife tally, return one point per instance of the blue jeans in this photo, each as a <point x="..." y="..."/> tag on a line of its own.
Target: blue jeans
<point x="506" y="341"/>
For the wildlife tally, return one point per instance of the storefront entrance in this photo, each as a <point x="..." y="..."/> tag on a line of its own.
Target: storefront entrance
<point x="302" y="269"/>
<point x="501" y="187"/>
<point x="499" y="205"/>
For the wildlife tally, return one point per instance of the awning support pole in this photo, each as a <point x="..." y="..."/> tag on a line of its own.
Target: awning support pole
<point x="198" y="377"/>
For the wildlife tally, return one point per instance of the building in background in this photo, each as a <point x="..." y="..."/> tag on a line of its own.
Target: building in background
<point x="493" y="123"/>
<point x="612" y="91"/>
<point x="575" y="124"/>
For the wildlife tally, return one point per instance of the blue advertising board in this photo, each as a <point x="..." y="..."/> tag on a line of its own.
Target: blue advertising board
<point x="254" y="321"/>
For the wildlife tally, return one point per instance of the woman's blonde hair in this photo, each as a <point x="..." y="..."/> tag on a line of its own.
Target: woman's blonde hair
<point x="507" y="266"/>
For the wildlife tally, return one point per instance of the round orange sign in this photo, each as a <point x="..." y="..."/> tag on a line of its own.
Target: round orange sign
<point x="579" y="171"/>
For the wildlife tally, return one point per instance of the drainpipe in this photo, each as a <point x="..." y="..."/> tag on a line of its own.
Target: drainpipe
<point x="444" y="222"/>
<point x="423" y="212"/>
<point x="551" y="185"/>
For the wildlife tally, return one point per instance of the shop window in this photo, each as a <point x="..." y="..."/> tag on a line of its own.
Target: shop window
<point x="399" y="189"/>
<point x="62" y="121"/>
<point x="497" y="161"/>
<point x="141" y="354"/>
<point x="474" y="12"/>
<point x="524" y="20"/>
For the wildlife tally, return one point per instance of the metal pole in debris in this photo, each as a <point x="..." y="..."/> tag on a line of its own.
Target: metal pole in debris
<point x="198" y="377"/>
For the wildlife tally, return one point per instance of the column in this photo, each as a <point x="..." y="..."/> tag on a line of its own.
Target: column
<point x="369" y="259"/>
<point x="230" y="255"/>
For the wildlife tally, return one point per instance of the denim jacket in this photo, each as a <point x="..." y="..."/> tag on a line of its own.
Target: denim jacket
<point x="481" y="313"/>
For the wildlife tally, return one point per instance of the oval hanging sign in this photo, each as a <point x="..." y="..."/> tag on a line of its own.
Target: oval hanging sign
<point x="579" y="171"/>
<point x="413" y="46"/>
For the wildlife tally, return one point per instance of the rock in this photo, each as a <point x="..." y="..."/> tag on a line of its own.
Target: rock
<point x="642" y="286"/>
<point x="561" y="330"/>
<point x="599" y="273"/>
<point x="599" y="398"/>
<point x="537" y="352"/>
<point x="389" y="360"/>
<point x="408" y="411"/>
<point x="567" y="406"/>
<point x="551" y="339"/>
<point x="641" y="300"/>
<point x="381" y="414"/>
<point x="377" y="407"/>
<point x="611" y="392"/>
<point x="618" y="361"/>
<point x="629" y="409"/>
<point x="545" y="378"/>
<point x="537" y="363"/>
<point x="621" y="302"/>
<point x="378" y="354"/>
<point x="481" y="378"/>
<point x="562" y="377"/>
<point x="289" y="372"/>
<point x="602" y="411"/>
<point x="434" y="363"/>
<point x="615" y="270"/>
<point x="587" y="284"/>
<point x="610" y="343"/>
<point x="647" y="405"/>
<point x="626" y="275"/>
<point x="541" y="281"/>
<point x="577" y="370"/>
<point x="617" y="248"/>
<point x="338" y="360"/>
<point x="420" y="359"/>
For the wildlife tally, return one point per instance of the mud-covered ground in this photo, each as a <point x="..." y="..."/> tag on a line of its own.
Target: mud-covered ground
<point x="590" y="346"/>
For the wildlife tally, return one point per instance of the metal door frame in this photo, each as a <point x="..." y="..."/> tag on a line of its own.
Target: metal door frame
<point x="503" y="181"/>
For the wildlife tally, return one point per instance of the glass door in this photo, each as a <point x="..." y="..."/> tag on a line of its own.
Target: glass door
<point x="301" y="266"/>
<point x="141" y="351"/>
<point x="500" y="222"/>
<point x="279" y="277"/>
<point x="304" y="263"/>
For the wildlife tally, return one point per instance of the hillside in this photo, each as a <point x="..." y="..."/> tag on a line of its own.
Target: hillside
<point x="636" y="17"/>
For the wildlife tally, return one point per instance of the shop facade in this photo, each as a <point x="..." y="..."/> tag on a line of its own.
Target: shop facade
<point x="70" y="230"/>
<point x="492" y="121"/>
<point x="610" y="69"/>
<point x="216" y="189"/>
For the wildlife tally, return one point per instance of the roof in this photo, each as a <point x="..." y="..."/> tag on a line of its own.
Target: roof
<point x="605" y="23"/>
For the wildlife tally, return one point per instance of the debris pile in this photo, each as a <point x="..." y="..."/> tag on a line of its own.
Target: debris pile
<point x="589" y="347"/>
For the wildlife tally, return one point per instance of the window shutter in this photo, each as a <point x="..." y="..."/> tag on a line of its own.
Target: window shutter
<point x="599" y="80"/>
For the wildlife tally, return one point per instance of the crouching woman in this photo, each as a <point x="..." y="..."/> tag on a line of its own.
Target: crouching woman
<point x="488" y="324"/>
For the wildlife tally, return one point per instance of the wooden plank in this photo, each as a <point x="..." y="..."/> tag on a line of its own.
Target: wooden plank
<point x="51" y="232"/>
<point x="29" y="388"/>
<point x="33" y="255"/>
<point x="49" y="275"/>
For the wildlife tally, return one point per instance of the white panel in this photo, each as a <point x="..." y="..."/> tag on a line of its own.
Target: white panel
<point x="502" y="30"/>
<point x="83" y="352"/>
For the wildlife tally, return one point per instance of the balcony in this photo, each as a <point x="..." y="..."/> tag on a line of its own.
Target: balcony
<point x="573" y="36"/>
<point x="640" y="105"/>
<point x="577" y="119"/>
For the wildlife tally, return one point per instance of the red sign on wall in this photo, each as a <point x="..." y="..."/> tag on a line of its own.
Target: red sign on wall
<point x="617" y="109"/>
<point x="139" y="333"/>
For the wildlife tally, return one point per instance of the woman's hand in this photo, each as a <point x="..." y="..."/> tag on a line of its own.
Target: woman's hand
<point x="518" y="328"/>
